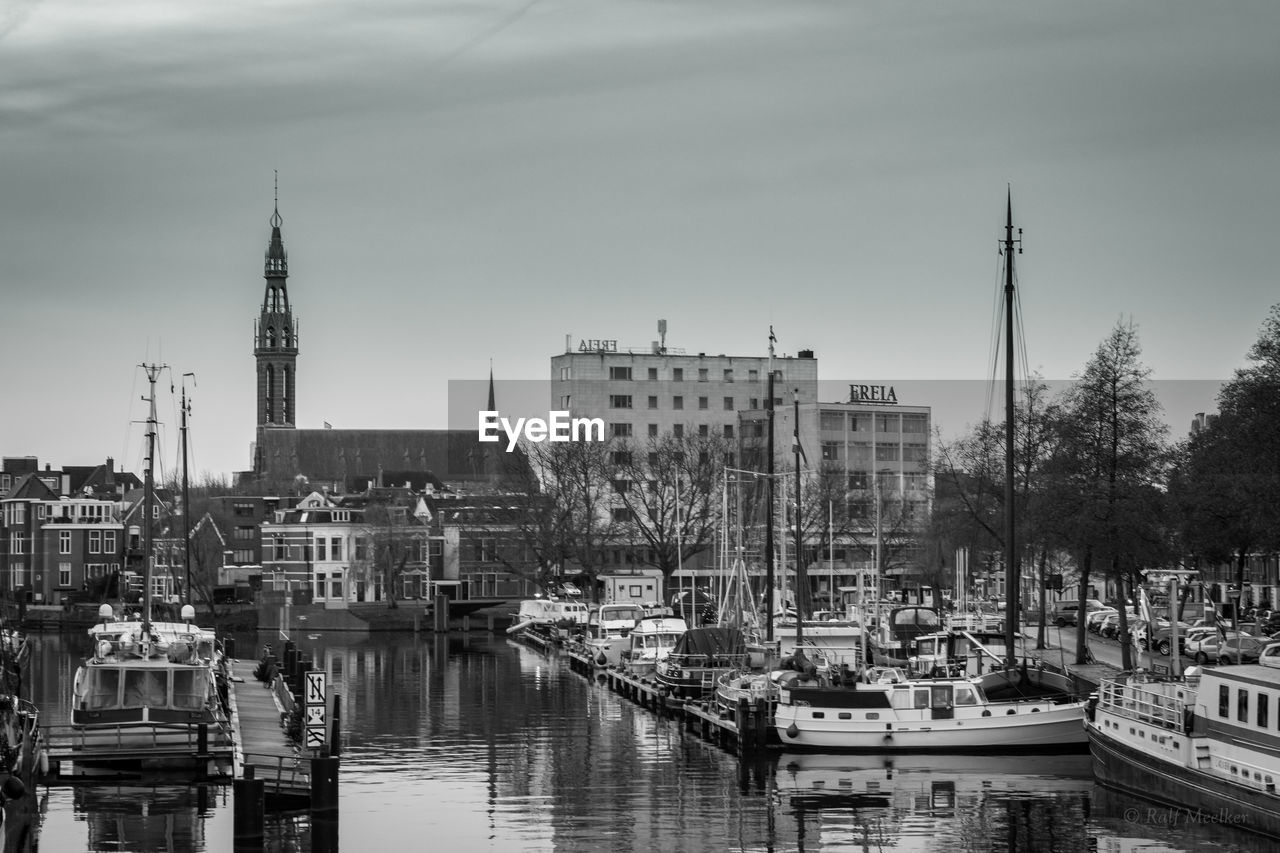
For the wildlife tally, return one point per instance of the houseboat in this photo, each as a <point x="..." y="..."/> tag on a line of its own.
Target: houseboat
<point x="1205" y="743"/>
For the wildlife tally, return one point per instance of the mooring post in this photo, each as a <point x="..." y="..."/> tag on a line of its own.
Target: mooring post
<point x="743" y="720"/>
<point x="249" y="809"/>
<point x="202" y="750"/>
<point x="335" y="734"/>
<point x="324" y="804"/>
<point x="441" y="613"/>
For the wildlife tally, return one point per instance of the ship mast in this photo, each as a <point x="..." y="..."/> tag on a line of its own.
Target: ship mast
<point x="186" y="495"/>
<point x="148" y="495"/>
<point x="1013" y="581"/>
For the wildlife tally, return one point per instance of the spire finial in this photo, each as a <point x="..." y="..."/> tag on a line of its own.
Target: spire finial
<point x="275" y="216"/>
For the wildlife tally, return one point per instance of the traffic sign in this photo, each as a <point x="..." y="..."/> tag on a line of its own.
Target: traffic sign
<point x="315" y="716"/>
<point x="315" y="688"/>
<point x="315" y="737"/>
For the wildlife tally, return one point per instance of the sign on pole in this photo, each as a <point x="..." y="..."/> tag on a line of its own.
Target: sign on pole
<point x="316" y="725"/>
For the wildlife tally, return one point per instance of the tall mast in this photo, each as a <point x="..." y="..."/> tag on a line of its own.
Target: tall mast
<point x="768" y="527"/>
<point x="1013" y="580"/>
<point x="802" y="580"/>
<point x="186" y="495"/>
<point x="148" y="495"/>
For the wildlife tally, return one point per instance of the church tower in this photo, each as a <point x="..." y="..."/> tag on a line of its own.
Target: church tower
<point x="276" y="339"/>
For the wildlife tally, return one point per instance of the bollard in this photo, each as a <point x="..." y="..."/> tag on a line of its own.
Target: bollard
<point x="324" y="787"/>
<point x="762" y="723"/>
<point x="229" y="647"/>
<point x="335" y="735"/>
<point x="441" y="613"/>
<point x="250" y="796"/>
<point x="466" y="624"/>
<point x="202" y="750"/>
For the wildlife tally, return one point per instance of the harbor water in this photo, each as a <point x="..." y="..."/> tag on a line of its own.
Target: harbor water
<point x="473" y="742"/>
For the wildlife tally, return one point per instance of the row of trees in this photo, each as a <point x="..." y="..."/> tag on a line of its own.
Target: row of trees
<point x="1102" y="492"/>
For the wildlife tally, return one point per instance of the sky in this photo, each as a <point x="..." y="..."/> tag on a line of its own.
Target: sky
<point x="468" y="183"/>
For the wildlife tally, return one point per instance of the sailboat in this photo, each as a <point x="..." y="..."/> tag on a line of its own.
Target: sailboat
<point x="928" y="707"/>
<point x="152" y="694"/>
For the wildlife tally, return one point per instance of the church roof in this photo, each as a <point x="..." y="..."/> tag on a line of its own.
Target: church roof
<point x="345" y="455"/>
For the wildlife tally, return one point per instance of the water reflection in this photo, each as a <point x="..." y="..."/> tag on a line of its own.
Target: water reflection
<point x="473" y="742"/>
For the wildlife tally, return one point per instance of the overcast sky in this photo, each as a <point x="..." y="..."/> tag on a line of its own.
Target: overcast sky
<point x="462" y="182"/>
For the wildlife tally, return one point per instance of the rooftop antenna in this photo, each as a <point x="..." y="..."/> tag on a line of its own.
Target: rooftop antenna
<point x="662" y="336"/>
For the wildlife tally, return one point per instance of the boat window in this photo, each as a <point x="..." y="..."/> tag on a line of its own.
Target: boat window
<point x="102" y="689"/>
<point x="964" y="696"/>
<point x="922" y="698"/>
<point x="188" y="690"/>
<point x="145" y="687"/>
<point x="1262" y="710"/>
<point x="1242" y="705"/>
<point x="1224" y="700"/>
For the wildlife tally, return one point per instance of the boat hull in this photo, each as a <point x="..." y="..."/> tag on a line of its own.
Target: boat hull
<point x="1197" y="797"/>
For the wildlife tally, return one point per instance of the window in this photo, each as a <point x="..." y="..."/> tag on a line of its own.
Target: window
<point x="859" y="423"/>
<point x="17" y="544"/>
<point x="678" y="430"/>
<point x="677" y="402"/>
<point x="619" y="401"/>
<point x="242" y="556"/>
<point x="64" y="575"/>
<point x="831" y="422"/>
<point x="653" y="401"/>
<point x="703" y="430"/>
<point x="857" y="480"/>
<point x="753" y="403"/>
<point x="1262" y="710"/>
<point x="564" y="401"/>
<point x="887" y="423"/>
<point x="677" y="374"/>
<point x="728" y="430"/>
<point x="361" y="550"/>
<point x="915" y="452"/>
<point x="565" y="373"/>
<point x="621" y="514"/>
<point x="335" y="547"/>
<point x="753" y="376"/>
<point x="244" y="533"/>
<point x="653" y="430"/>
<point x="915" y="423"/>
<point x="623" y="373"/>
<point x="108" y="541"/>
<point x="914" y="482"/>
<point x="1224" y="700"/>
<point x="702" y="374"/>
<point x="622" y="457"/>
<point x="653" y="374"/>
<point x="322" y="549"/>
<point x="242" y="509"/>
<point x="830" y="450"/>
<point x="620" y="430"/>
<point x="704" y="402"/>
<point x="728" y="404"/>
<point x="653" y="460"/>
<point x="886" y="453"/>
<point x="64" y="541"/>
<point x="1242" y="705"/>
<point x="728" y="374"/>
<point x="621" y="486"/>
<point x="279" y="550"/>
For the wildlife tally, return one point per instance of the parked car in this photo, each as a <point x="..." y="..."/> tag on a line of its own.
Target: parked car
<point x="1242" y="650"/>
<point x="1162" y="628"/>
<point x="1205" y="649"/>
<point x="1067" y="611"/>
<point x="1094" y="620"/>
<point x="1164" y="640"/>
<point x="1110" y="626"/>
<point x="1270" y="655"/>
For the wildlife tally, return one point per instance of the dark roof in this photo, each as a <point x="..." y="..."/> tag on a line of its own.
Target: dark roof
<point x="30" y="487"/>
<point x="711" y="641"/>
<point x="341" y="455"/>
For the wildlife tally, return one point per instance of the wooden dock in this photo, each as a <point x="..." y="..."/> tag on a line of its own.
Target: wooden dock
<point x="263" y="750"/>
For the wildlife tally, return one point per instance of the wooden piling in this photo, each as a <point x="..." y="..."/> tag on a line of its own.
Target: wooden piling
<point x="249" y="809"/>
<point x="335" y="734"/>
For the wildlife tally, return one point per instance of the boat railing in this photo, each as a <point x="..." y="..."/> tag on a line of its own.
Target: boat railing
<point x="1139" y="703"/>
<point x="133" y="736"/>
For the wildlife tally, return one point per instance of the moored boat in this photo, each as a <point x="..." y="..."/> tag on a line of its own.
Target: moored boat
<point x="549" y="620"/>
<point x="698" y="659"/>
<point x="1205" y="743"/>
<point x="151" y="694"/>
<point x="652" y="639"/>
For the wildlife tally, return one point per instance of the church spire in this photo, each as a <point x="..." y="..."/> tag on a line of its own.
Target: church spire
<point x="493" y="406"/>
<point x="276" y="337"/>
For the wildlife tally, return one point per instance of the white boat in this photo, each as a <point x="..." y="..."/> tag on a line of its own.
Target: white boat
<point x="652" y="639"/>
<point x="891" y="711"/>
<point x="1205" y="745"/>
<point x="549" y="619"/>
<point x="608" y="632"/>
<point x="151" y="693"/>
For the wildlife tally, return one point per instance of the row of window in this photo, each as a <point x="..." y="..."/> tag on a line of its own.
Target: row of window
<point x="323" y="549"/>
<point x="892" y="422"/>
<point x="624" y="401"/>
<point x="625" y="374"/>
<point x="704" y="430"/>
<point x="1261" y="705"/>
<point x="856" y="452"/>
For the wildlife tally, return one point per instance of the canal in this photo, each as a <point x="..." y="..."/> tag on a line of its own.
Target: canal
<point x="475" y="743"/>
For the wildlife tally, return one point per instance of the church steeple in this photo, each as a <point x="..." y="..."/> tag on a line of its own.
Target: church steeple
<point x="276" y="336"/>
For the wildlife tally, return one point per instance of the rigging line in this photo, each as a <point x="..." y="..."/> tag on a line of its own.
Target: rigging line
<point x="997" y="334"/>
